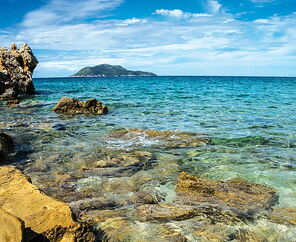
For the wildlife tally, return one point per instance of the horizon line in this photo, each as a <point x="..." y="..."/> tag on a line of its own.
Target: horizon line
<point x="164" y="76"/>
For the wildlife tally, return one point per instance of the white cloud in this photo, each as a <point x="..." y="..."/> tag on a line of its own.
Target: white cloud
<point x="214" y="7"/>
<point x="134" y="21"/>
<point x="200" y="42"/>
<point x="63" y="11"/>
<point x="177" y="13"/>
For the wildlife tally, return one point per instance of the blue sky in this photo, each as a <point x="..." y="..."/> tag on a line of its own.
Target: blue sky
<point x="168" y="37"/>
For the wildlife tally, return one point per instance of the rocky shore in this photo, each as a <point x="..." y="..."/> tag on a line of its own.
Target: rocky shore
<point x="119" y="190"/>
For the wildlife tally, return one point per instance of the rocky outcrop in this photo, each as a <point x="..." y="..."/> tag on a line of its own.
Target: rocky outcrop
<point x="42" y="215"/>
<point x="162" y="139"/>
<point x="74" y="106"/>
<point x="12" y="228"/>
<point x="6" y="146"/>
<point x="16" y="70"/>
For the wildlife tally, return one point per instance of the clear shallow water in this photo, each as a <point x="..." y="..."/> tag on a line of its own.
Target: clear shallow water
<point x="251" y="122"/>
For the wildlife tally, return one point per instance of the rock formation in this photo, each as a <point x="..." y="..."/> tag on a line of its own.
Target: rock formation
<point x="6" y="146"/>
<point x="42" y="215"/>
<point x="74" y="106"/>
<point x="16" y="69"/>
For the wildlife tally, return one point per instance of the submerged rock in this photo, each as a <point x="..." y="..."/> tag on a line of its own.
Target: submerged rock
<point x="6" y="146"/>
<point x="225" y="199"/>
<point x="16" y="70"/>
<point x="165" y="212"/>
<point x="211" y="201"/>
<point x="12" y="228"/>
<point x="135" y="158"/>
<point x="13" y="102"/>
<point x="44" y="216"/>
<point x="283" y="216"/>
<point x="165" y="139"/>
<point x="74" y="106"/>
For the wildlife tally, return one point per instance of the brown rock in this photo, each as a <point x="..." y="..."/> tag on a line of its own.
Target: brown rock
<point x="283" y="216"/>
<point x="6" y="146"/>
<point x="117" y="229"/>
<point x="11" y="228"/>
<point x="13" y="102"/>
<point x="166" y="139"/>
<point x="16" y="70"/>
<point x="40" y="213"/>
<point x="74" y="106"/>
<point x="165" y="212"/>
<point x="235" y="197"/>
<point x="95" y="217"/>
<point x="124" y="159"/>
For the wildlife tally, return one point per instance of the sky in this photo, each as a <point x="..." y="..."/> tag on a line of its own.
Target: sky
<point x="167" y="37"/>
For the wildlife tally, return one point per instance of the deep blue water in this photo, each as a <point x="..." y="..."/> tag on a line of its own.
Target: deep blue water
<point x="250" y="120"/>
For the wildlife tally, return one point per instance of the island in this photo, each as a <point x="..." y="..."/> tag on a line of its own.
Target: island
<point x="109" y="71"/>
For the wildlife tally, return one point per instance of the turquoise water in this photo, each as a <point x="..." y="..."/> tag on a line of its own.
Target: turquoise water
<point x="250" y="120"/>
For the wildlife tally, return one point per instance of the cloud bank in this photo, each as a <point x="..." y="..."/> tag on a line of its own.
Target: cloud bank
<point x="67" y="37"/>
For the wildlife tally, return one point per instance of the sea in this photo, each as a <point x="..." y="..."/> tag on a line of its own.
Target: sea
<point x="251" y="122"/>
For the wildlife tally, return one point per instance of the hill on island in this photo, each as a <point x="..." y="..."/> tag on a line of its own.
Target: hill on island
<point x="109" y="70"/>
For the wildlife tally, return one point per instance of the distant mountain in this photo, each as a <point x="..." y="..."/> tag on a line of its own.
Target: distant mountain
<point x="109" y="70"/>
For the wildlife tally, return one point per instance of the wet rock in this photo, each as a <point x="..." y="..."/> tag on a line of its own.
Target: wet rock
<point x="135" y="158"/>
<point x="283" y="216"/>
<point x="92" y="204"/>
<point x="243" y="235"/>
<point x="6" y="146"/>
<point x="225" y="199"/>
<point x="16" y="70"/>
<point x="123" y="229"/>
<point x="214" y="232"/>
<point x="74" y="106"/>
<point x="211" y="201"/>
<point x="165" y="212"/>
<point x="13" y="102"/>
<point x="166" y="139"/>
<point x="95" y="217"/>
<point x="118" y="163"/>
<point x="42" y="214"/>
<point x="11" y="227"/>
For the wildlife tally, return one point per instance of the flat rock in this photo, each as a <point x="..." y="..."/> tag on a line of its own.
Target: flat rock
<point x="74" y="106"/>
<point x="165" y="212"/>
<point x="124" y="159"/>
<point x="42" y="214"/>
<point x="238" y="198"/>
<point x="283" y="216"/>
<point x="12" y="228"/>
<point x="95" y="217"/>
<point x="165" y="139"/>
<point x="211" y="201"/>
<point x="6" y="146"/>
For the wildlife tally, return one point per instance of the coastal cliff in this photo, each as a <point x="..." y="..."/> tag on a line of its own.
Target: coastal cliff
<point x="109" y="70"/>
<point x="16" y="70"/>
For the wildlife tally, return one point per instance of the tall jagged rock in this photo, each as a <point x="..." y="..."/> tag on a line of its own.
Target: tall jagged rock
<point x="16" y="70"/>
